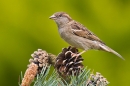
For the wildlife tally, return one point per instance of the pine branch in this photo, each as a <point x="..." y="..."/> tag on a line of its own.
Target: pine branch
<point x="68" y="70"/>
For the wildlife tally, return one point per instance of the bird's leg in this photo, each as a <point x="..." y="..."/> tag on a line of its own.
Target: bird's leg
<point x="82" y="52"/>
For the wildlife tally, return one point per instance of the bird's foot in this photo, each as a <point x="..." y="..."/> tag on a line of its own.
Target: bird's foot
<point x="77" y="55"/>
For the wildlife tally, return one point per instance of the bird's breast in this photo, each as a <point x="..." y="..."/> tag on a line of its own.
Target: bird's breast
<point x="70" y="38"/>
<point x="64" y="33"/>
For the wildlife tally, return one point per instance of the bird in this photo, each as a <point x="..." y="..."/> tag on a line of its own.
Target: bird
<point x="77" y="35"/>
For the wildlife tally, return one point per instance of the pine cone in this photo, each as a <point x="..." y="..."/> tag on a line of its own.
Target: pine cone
<point x="40" y="58"/>
<point x="68" y="62"/>
<point x="97" y="80"/>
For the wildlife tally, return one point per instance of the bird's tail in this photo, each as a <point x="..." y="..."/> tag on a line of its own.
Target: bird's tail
<point x="108" y="49"/>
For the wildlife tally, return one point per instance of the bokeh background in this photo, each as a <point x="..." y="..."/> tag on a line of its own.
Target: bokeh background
<point x="25" y="26"/>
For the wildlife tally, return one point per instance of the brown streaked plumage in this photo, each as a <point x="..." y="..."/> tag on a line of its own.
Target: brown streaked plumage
<point x="79" y="30"/>
<point x="78" y="35"/>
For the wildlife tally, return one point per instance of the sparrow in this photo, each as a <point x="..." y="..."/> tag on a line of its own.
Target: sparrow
<point x="78" y="35"/>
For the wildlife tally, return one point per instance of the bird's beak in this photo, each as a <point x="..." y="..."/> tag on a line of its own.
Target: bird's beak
<point x="52" y="17"/>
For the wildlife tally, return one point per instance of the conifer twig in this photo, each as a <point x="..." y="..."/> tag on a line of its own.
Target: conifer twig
<point x="68" y="70"/>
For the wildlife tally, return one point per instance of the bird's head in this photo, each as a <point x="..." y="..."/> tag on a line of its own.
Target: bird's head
<point x="61" y="18"/>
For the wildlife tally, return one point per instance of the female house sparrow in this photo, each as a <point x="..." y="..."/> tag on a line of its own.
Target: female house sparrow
<point x="77" y="35"/>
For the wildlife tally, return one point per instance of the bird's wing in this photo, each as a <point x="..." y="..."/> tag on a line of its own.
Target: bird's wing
<point x="79" y="30"/>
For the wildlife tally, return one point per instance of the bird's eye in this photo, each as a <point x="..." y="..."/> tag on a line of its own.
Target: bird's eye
<point x="60" y="15"/>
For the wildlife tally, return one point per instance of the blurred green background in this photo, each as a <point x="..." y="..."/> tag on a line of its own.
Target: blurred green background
<point x="25" y="26"/>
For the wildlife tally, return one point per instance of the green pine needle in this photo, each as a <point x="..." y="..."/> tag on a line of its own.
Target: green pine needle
<point x="55" y="80"/>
